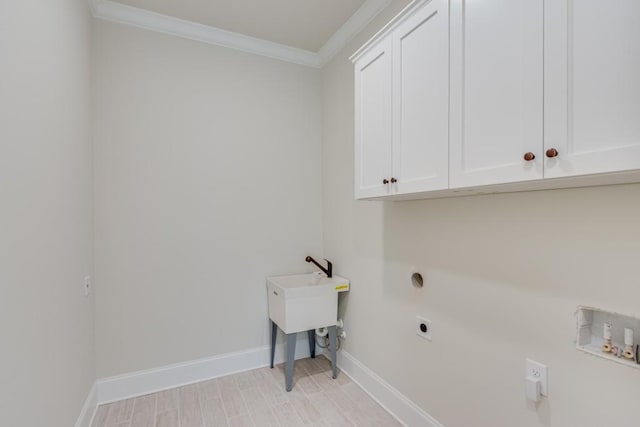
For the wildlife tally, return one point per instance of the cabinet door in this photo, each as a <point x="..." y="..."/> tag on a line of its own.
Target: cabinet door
<point x="373" y="121"/>
<point x="496" y="91"/>
<point x="421" y="100"/>
<point x="592" y="86"/>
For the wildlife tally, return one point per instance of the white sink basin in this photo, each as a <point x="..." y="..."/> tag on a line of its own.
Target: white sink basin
<point x="301" y="302"/>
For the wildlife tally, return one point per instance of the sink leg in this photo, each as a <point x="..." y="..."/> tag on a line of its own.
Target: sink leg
<point x="291" y="355"/>
<point x="274" y="335"/>
<point x="333" y="347"/>
<point x="312" y="342"/>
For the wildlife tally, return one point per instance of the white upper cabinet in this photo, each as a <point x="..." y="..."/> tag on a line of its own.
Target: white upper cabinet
<point x="373" y="122"/>
<point x="496" y="91"/>
<point x="421" y="100"/>
<point x="592" y="86"/>
<point x="402" y="106"/>
<point x="459" y="97"/>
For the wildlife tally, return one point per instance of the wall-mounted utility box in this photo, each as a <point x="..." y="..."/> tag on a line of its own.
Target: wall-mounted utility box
<point x="590" y="333"/>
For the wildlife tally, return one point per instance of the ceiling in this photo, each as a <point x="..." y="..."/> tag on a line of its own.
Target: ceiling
<point x="304" y="24"/>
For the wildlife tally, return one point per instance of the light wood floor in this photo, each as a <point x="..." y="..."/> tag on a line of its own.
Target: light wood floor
<point x="254" y="398"/>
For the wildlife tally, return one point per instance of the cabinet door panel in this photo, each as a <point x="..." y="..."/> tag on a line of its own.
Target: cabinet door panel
<point x="373" y="121"/>
<point x="592" y="86"/>
<point x="496" y="91"/>
<point x="421" y="100"/>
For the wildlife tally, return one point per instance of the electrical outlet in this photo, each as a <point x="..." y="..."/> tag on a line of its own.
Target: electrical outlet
<point x="538" y="370"/>
<point x="87" y="285"/>
<point x="423" y="328"/>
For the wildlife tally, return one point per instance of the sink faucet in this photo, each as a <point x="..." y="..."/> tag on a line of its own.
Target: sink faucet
<point x="328" y="271"/>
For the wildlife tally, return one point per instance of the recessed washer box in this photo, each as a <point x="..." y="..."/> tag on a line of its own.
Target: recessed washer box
<point x="590" y="332"/>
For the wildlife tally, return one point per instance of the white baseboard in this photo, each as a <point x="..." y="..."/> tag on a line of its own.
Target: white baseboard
<point x="88" y="409"/>
<point x="165" y="377"/>
<point x="152" y="380"/>
<point x="397" y="404"/>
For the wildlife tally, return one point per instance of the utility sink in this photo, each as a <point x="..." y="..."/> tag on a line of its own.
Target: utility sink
<point x="303" y="302"/>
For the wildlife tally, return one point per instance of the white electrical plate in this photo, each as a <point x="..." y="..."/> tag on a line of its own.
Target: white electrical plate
<point x="538" y="370"/>
<point x="422" y="323"/>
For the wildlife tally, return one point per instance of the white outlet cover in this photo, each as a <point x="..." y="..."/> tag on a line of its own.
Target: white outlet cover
<point x="538" y="370"/>
<point x="420" y="321"/>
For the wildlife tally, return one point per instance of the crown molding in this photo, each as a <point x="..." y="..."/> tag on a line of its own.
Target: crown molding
<point x="388" y="28"/>
<point x="124" y="14"/>
<point x="117" y="12"/>
<point x="356" y="23"/>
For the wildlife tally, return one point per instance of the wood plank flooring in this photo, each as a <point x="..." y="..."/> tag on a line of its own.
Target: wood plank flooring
<point x="255" y="398"/>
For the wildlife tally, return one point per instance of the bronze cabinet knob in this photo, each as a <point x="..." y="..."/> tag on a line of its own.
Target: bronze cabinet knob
<point x="393" y="180"/>
<point x="385" y="181"/>
<point x="551" y="153"/>
<point x="529" y="156"/>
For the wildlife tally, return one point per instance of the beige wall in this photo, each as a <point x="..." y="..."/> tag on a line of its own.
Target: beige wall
<point x="208" y="179"/>
<point x="503" y="277"/>
<point x="46" y="323"/>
